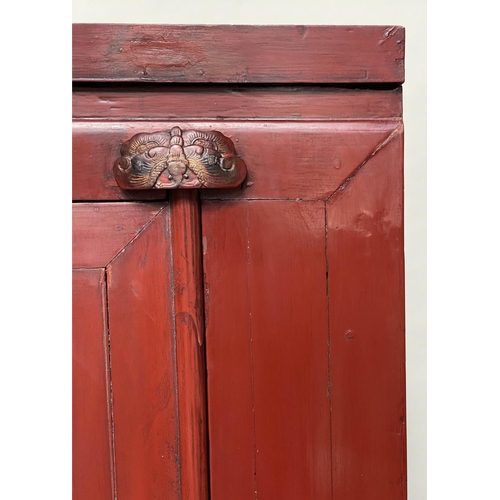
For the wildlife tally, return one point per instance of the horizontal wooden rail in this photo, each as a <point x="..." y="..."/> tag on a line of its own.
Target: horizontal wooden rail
<point x="238" y="54"/>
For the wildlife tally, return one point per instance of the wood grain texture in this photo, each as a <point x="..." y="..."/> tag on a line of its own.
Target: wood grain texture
<point x="190" y="344"/>
<point x="167" y="102"/>
<point x="92" y="441"/>
<point x="290" y="358"/>
<point x="303" y="295"/>
<point x="274" y="348"/>
<point x="257" y="54"/>
<point x="229" y="361"/>
<point x="366" y="297"/>
<point x="142" y="346"/>
<point x="284" y="160"/>
<point x="101" y="230"/>
<point x="93" y="159"/>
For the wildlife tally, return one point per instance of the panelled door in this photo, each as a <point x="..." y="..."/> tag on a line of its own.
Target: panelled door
<point x="238" y="338"/>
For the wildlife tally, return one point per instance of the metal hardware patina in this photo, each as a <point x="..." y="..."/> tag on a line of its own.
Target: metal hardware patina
<point x="179" y="159"/>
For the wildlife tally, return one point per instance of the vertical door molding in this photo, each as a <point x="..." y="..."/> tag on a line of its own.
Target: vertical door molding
<point x="190" y="344"/>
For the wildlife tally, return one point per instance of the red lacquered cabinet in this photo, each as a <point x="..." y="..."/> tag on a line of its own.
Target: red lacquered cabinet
<point x="238" y="263"/>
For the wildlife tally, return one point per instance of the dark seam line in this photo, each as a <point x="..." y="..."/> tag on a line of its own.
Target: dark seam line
<point x="329" y="374"/>
<point x="110" y="388"/>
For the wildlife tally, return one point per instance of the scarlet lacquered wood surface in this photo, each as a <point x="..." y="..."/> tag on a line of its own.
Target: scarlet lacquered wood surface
<point x="231" y="102"/>
<point x="143" y="366"/>
<point x="93" y="160"/>
<point x="93" y="471"/>
<point x="190" y="344"/>
<point x="267" y="342"/>
<point x="366" y="300"/>
<point x="306" y="357"/>
<point x="133" y="300"/>
<point x="258" y="54"/>
<point x="283" y="158"/>
<point x="241" y="344"/>
<point x="101" y="230"/>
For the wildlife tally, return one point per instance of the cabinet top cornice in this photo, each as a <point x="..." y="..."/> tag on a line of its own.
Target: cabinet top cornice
<point x="240" y="54"/>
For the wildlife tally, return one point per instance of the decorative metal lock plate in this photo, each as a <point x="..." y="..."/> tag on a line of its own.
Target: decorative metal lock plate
<point x="179" y="159"/>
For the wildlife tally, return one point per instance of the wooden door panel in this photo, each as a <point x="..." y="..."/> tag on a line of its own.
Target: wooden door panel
<point x="267" y="346"/>
<point x="289" y="326"/>
<point x="305" y="339"/>
<point x="143" y="366"/>
<point x="92" y="431"/>
<point x="366" y="300"/>
<point x="132" y="299"/>
<point x="229" y="375"/>
<point x="309" y="160"/>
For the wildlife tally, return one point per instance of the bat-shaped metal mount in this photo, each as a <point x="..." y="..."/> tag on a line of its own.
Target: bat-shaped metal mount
<point x="179" y="159"/>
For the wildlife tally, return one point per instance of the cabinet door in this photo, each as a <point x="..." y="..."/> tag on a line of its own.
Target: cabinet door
<point x="304" y="296"/>
<point x="125" y="429"/>
<point x="139" y="397"/>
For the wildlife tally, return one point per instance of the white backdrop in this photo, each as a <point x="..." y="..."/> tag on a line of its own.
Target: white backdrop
<point x="408" y="13"/>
